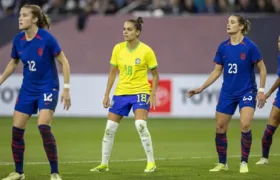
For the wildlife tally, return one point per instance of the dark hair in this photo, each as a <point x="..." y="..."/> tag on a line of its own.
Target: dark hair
<point x="245" y="22"/>
<point x="137" y="23"/>
<point x="43" y="19"/>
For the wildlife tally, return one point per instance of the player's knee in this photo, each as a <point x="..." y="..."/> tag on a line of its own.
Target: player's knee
<point x="111" y="129"/>
<point x="221" y="127"/>
<point x="141" y="126"/>
<point x="141" y="114"/>
<point x="20" y="120"/>
<point x="274" y="121"/>
<point x="45" y="117"/>
<point x="245" y="126"/>
<point x="109" y="133"/>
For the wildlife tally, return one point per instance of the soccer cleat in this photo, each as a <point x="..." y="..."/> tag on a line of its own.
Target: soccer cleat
<point x="262" y="161"/>
<point x="14" y="176"/>
<point x="151" y="167"/>
<point x="55" y="176"/>
<point x="219" y="167"/>
<point x="100" y="168"/>
<point x="243" y="167"/>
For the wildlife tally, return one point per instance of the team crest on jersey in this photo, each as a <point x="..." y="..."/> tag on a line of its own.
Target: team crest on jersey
<point x="242" y="56"/>
<point x="40" y="51"/>
<point x="137" y="61"/>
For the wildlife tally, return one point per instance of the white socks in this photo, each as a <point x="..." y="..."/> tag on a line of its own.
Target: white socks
<point x="108" y="140"/>
<point x="141" y="126"/>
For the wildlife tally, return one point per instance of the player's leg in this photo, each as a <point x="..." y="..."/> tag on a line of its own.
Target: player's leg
<point x="47" y="105"/>
<point x="23" y="110"/>
<point x="247" y="105"/>
<point x="224" y="111"/>
<point x="49" y="142"/>
<point x="274" y="120"/>
<point x="18" y="146"/>
<point x="120" y="107"/>
<point x="141" y="110"/>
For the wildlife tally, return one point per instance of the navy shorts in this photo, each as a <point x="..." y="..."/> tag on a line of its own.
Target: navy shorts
<point x="276" y="102"/>
<point x="228" y="105"/>
<point x="29" y="103"/>
<point x="121" y="105"/>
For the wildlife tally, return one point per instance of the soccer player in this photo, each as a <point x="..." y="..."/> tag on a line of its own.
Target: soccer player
<point x="37" y="50"/>
<point x="133" y="59"/>
<point x="274" y="118"/>
<point x="236" y="57"/>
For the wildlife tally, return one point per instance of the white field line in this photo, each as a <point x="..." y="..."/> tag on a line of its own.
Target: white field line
<point x="131" y="160"/>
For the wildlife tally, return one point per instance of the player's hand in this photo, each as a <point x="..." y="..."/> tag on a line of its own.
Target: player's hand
<point x="267" y="95"/>
<point x="106" y="101"/>
<point x="193" y="92"/>
<point x="261" y="99"/>
<point x="65" y="99"/>
<point x="152" y="101"/>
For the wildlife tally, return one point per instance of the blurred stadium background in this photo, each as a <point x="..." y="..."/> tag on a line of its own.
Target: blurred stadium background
<point x="185" y="35"/>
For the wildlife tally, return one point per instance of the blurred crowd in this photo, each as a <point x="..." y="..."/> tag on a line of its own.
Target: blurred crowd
<point x="216" y="6"/>
<point x="157" y="7"/>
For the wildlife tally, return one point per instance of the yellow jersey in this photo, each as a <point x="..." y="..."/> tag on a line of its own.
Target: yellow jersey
<point x="133" y="66"/>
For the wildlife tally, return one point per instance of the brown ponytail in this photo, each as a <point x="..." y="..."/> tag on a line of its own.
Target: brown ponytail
<point x="247" y="27"/>
<point x="43" y="19"/>
<point x="245" y="22"/>
<point x="46" y="23"/>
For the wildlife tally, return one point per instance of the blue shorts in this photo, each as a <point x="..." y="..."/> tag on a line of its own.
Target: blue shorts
<point x="228" y="105"/>
<point x="29" y="103"/>
<point x="121" y="105"/>
<point x="276" y="102"/>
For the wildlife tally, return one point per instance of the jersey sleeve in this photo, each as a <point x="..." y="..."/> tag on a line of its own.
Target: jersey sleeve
<point x="255" y="53"/>
<point x="218" y="59"/>
<point x="151" y="59"/>
<point x="54" y="45"/>
<point x="14" y="53"/>
<point x="114" y="56"/>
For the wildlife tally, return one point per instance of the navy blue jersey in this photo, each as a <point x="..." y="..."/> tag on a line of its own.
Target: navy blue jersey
<point x="38" y="58"/>
<point x="278" y="73"/>
<point x="238" y="62"/>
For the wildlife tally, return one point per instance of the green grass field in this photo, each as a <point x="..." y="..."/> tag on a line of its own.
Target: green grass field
<point x="184" y="149"/>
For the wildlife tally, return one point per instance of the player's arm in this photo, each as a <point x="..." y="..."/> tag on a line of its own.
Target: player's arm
<point x="65" y="97"/>
<point x="63" y="61"/>
<point x="12" y="66"/>
<point x="61" y="58"/>
<point x="111" y="79"/>
<point x="258" y="60"/>
<point x="10" y="69"/>
<point x="113" y="71"/>
<point x="262" y="70"/>
<point x="275" y="85"/>
<point x="155" y="76"/>
<point x="153" y="67"/>
<point x="215" y="74"/>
